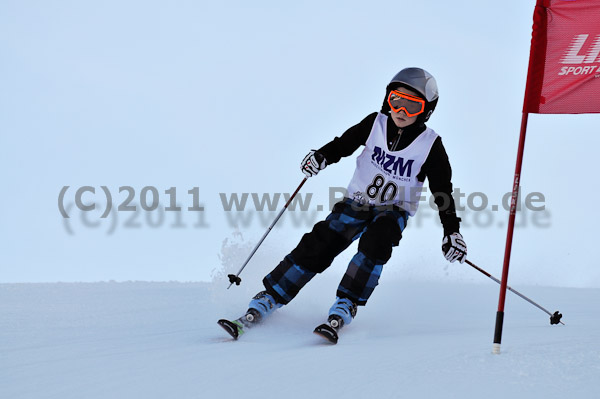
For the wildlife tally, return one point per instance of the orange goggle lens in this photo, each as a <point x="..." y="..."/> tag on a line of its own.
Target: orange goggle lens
<point x="411" y="105"/>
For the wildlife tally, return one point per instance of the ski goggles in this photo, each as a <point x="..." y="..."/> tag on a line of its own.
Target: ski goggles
<point x="411" y="105"/>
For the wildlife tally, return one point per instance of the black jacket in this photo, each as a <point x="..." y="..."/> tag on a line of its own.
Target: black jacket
<point x="436" y="167"/>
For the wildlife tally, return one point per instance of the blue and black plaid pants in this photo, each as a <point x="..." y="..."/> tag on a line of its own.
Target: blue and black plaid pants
<point x="378" y="228"/>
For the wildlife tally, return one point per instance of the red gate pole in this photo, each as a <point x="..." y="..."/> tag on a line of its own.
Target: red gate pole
<point x="509" y="236"/>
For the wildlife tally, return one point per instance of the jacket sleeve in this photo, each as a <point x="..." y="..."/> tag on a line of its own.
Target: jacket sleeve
<point x="438" y="171"/>
<point x="349" y="142"/>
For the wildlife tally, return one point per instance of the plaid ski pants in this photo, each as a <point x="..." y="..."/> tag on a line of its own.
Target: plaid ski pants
<point x="378" y="228"/>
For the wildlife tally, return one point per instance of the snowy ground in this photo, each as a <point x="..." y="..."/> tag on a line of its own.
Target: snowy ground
<point x="413" y="340"/>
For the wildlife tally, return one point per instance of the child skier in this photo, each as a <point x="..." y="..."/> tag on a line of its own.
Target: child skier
<point x="399" y="152"/>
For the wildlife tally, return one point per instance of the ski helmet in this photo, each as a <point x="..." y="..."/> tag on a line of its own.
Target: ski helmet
<point x="420" y="81"/>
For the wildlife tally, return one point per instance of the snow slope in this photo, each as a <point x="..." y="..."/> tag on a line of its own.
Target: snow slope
<point x="413" y="340"/>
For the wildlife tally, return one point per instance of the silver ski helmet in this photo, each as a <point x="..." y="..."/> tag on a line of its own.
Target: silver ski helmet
<point x="420" y="81"/>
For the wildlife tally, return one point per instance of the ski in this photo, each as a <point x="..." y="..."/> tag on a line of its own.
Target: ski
<point x="327" y="332"/>
<point x="233" y="328"/>
<point x="237" y="327"/>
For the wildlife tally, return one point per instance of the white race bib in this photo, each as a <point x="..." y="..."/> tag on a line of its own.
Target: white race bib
<point x="384" y="177"/>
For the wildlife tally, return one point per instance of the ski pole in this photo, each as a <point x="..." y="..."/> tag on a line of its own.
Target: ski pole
<point x="554" y="317"/>
<point x="235" y="278"/>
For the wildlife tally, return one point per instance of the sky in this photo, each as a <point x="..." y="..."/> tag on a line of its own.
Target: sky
<point x="191" y="102"/>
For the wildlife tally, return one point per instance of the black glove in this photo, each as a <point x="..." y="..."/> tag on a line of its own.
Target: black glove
<point x="312" y="163"/>
<point x="454" y="248"/>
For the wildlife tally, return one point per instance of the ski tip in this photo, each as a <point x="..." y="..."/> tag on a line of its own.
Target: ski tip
<point x="327" y="332"/>
<point x="232" y="328"/>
